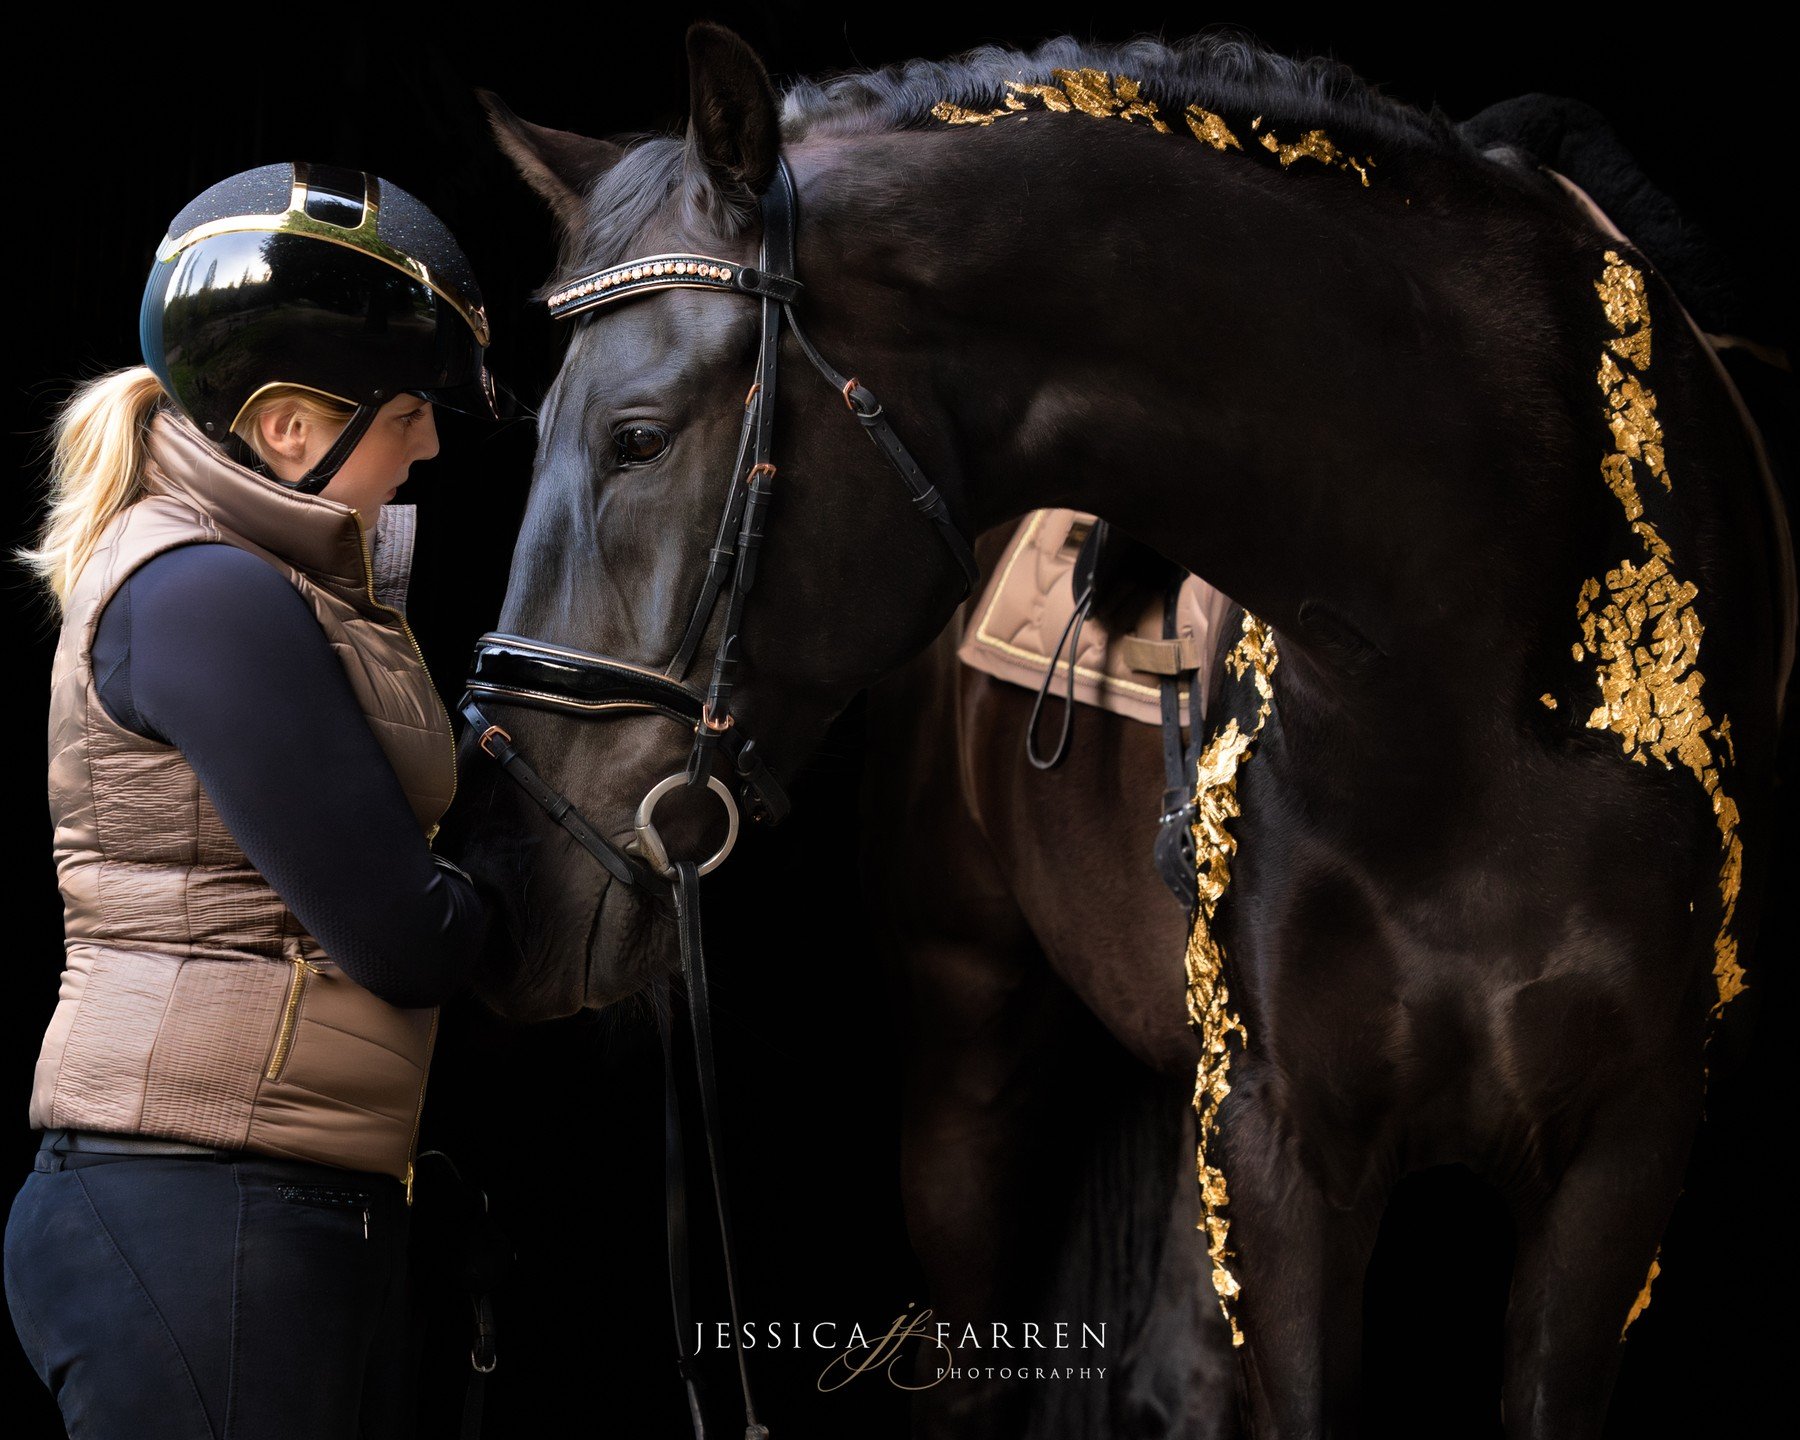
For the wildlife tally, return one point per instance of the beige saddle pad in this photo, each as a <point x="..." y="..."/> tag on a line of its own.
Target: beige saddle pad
<point x="1029" y="600"/>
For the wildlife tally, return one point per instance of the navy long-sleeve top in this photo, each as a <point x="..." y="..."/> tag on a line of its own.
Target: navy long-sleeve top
<point x="210" y="649"/>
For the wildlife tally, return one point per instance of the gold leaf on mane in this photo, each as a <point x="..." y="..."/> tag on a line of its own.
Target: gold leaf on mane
<point x="1208" y="1001"/>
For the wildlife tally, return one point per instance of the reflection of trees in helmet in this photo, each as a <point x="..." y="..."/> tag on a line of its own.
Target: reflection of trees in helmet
<point x="248" y="310"/>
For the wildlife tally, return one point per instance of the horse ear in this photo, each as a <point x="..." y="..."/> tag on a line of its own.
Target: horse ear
<point x="733" y="119"/>
<point x="560" y="166"/>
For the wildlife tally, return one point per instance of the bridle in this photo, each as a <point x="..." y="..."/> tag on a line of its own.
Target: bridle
<point x="519" y="670"/>
<point x="515" y="669"/>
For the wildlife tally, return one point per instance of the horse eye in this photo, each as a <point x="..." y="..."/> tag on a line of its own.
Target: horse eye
<point x="640" y="443"/>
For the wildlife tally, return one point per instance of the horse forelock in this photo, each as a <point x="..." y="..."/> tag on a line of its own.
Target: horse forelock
<point x="659" y="180"/>
<point x="1224" y="69"/>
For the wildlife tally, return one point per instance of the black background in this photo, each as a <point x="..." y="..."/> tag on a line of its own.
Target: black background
<point x="115" y="129"/>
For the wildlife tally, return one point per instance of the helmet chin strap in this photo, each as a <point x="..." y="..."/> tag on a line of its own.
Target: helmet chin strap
<point x="317" y="478"/>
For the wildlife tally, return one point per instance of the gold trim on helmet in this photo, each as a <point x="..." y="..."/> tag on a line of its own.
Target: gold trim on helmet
<point x="362" y="238"/>
<point x="250" y="400"/>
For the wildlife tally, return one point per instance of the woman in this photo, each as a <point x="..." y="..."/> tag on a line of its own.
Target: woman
<point x="248" y="762"/>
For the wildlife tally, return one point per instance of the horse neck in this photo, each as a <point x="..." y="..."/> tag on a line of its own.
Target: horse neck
<point x="1292" y="384"/>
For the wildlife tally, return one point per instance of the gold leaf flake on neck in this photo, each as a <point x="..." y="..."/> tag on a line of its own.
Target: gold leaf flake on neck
<point x="1105" y="96"/>
<point x="957" y="115"/>
<point x="1314" y="145"/>
<point x="1053" y="98"/>
<point x="1211" y="130"/>
<point x="1088" y="91"/>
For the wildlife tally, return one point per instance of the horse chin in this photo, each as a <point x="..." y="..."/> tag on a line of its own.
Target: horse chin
<point x="632" y="943"/>
<point x="539" y="963"/>
<point x="525" y="993"/>
<point x="626" y="942"/>
<point x="565" y="937"/>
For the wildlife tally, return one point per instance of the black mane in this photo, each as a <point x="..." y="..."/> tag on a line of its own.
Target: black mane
<point x="1225" y="70"/>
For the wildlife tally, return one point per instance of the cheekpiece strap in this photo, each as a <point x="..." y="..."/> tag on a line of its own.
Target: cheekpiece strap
<point x="668" y="272"/>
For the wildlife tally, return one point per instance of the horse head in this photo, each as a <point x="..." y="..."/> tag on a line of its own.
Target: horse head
<point x="666" y="448"/>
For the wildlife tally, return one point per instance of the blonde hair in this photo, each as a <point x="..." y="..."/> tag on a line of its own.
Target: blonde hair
<point x="322" y="409"/>
<point x="97" y="446"/>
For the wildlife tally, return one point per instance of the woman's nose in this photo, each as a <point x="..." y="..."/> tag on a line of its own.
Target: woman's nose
<point x="428" y="436"/>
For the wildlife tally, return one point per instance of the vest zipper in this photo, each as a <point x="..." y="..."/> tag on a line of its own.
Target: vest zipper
<point x="406" y="630"/>
<point x="419" y="1111"/>
<point x="291" y="1011"/>
<point x="431" y="834"/>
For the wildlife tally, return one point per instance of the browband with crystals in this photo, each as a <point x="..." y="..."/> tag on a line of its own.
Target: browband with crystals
<point x="668" y="272"/>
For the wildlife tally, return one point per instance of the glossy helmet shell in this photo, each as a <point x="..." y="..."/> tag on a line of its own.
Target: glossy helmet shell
<point x="310" y="275"/>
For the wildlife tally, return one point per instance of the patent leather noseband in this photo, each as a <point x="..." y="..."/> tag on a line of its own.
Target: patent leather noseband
<point x="543" y="676"/>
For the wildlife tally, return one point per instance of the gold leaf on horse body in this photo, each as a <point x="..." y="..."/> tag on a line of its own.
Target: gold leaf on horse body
<point x="1641" y="623"/>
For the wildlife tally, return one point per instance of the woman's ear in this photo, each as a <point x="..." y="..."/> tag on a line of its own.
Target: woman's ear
<point x="283" y="435"/>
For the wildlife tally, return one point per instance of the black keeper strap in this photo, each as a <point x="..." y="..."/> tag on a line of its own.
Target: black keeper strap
<point x="560" y="808"/>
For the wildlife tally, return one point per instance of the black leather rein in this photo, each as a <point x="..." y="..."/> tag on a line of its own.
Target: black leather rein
<point x="518" y="670"/>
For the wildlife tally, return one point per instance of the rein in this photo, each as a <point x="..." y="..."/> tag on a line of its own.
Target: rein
<point x="519" y="670"/>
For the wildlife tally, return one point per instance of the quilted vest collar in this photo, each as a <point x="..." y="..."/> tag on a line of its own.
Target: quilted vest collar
<point x="322" y="537"/>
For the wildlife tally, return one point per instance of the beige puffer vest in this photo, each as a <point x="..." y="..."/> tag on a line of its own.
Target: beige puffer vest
<point x="193" y="1005"/>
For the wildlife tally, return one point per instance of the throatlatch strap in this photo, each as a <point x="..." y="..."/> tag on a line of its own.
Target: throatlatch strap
<point x="926" y="497"/>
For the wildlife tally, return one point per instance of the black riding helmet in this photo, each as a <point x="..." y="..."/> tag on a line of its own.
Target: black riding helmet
<point x="310" y="275"/>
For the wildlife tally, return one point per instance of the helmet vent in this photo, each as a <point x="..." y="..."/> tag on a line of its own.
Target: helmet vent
<point x="333" y="196"/>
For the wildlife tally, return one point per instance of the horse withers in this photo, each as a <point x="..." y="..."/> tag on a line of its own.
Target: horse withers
<point x="1484" y="840"/>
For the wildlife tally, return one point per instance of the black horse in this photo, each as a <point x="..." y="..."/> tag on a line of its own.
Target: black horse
<point x="1483" y="842"/>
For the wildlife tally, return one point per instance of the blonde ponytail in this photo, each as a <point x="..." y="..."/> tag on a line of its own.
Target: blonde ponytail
<point x="96" y="470"/>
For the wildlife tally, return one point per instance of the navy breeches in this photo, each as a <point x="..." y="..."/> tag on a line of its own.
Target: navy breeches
<point x="213" y="1298"/>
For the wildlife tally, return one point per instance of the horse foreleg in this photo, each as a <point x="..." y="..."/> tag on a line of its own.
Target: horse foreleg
<point x="1584" y="1253"/>
<point x="1298" y="1250"/>
<point x="983" y="1017"/>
